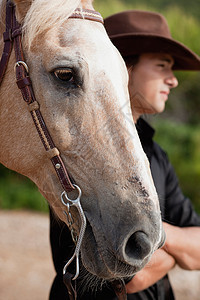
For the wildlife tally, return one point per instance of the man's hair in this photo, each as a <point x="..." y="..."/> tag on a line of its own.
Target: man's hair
<point x="131" y="61"/>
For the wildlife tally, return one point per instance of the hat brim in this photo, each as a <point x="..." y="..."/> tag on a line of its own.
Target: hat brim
<point x="134" y="44"/>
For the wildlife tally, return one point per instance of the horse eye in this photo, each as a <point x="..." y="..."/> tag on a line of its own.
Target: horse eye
<point x="64" y="75"/>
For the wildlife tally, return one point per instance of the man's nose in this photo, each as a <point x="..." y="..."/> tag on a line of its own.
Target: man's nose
<point x="171" y="81"/>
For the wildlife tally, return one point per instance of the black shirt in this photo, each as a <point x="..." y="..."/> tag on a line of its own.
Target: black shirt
<point x="176" y="209"/>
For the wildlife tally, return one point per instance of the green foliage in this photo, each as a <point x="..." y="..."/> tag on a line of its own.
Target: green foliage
<point x="18" y="192"/>
<point x="184" y="101"/>
<point x="184" y="27"/>
<point x="107" y="8"/>
<point x="182" y="143"/>
<point x="112" y="6"/>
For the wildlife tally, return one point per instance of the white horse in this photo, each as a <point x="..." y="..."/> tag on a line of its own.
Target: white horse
<point x="80" y="84"/>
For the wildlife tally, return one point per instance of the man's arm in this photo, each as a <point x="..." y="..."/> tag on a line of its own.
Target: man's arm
<point x="182" y="247"/>
<point x="161" y="262"/>
<point x="183" y="243"/>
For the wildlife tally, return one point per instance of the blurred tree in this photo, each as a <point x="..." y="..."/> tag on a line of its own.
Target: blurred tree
<point x="17" y="191"/>
<point x="182" y="143"/>
<point x="191" y="7"/>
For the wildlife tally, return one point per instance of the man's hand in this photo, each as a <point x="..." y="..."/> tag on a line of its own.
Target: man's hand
<point x="181" y="246"/>
<point x="183" y="243"/>
<point x="161" y="262"/>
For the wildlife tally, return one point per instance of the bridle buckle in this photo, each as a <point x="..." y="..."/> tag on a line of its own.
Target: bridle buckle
<point x="20" y="62"/>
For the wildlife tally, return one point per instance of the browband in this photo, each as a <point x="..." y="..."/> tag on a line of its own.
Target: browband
<point x="87" y="14"/>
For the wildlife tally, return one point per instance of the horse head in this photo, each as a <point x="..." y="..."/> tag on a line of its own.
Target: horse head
<point x="80" y="82"/>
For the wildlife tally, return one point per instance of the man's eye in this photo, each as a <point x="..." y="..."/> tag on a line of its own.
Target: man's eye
<point x="161" y="65"/>
<point x="64" y="75"/>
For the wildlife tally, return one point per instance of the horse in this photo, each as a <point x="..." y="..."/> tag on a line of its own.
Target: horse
<point x="90" y="165"/>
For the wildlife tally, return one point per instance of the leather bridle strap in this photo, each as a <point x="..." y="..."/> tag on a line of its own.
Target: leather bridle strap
<point x="7" y="37"/>
<point x="118" y="286"/>
<point x="25" y="85"/>
<point x="87" y="14"/>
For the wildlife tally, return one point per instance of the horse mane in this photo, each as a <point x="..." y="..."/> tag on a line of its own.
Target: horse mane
<point x="44" y="14"/>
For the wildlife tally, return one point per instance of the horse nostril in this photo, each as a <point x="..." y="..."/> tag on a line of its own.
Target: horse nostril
<point x="138" y="246"/>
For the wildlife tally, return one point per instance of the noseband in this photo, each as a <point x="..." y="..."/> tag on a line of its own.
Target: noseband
<point x="13" y="36"/>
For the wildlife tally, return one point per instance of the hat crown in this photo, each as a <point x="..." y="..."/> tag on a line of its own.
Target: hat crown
<point x="135" y="32"/>
<point x="137" y="22"/>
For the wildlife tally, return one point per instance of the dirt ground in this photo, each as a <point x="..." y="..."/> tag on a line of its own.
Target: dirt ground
<point x="26" y="269"/>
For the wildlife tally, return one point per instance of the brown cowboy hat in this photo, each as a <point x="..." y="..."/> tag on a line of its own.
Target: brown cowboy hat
<point x="135" y="32"/>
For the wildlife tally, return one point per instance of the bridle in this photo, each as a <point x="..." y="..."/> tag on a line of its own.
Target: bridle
<point x="13" y="36"/>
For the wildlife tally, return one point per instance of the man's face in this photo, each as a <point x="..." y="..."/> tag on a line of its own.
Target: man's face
<point x="150" y="82"/>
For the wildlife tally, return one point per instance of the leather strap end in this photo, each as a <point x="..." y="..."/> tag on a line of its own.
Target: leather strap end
<point x="67" y="279"/>
<point x="119" y="288"/>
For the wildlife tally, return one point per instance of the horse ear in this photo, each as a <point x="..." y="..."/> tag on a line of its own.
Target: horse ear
<point x="21" y="9"/>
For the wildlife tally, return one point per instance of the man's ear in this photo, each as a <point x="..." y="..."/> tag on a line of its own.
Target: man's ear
<point x="22" y="6"/>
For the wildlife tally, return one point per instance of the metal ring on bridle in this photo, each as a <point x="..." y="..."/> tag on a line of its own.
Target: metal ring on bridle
<point x="71" y="200"/>
<point x="20" y="62"/>
<point x="76" y="203"/>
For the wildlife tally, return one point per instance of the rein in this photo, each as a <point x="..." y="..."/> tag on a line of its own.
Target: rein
<point x="13" y="36"/>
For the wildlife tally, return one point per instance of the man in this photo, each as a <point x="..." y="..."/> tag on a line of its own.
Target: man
<point x="144" y="40"/>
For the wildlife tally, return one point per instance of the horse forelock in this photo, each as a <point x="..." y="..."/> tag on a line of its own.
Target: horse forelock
<point x="45" y="14"/>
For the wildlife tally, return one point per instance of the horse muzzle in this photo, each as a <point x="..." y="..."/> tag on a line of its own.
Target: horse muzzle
<point x="109" y="253"/>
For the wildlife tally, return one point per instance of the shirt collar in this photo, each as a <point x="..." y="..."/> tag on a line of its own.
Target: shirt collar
<point x="145" y="131"/>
